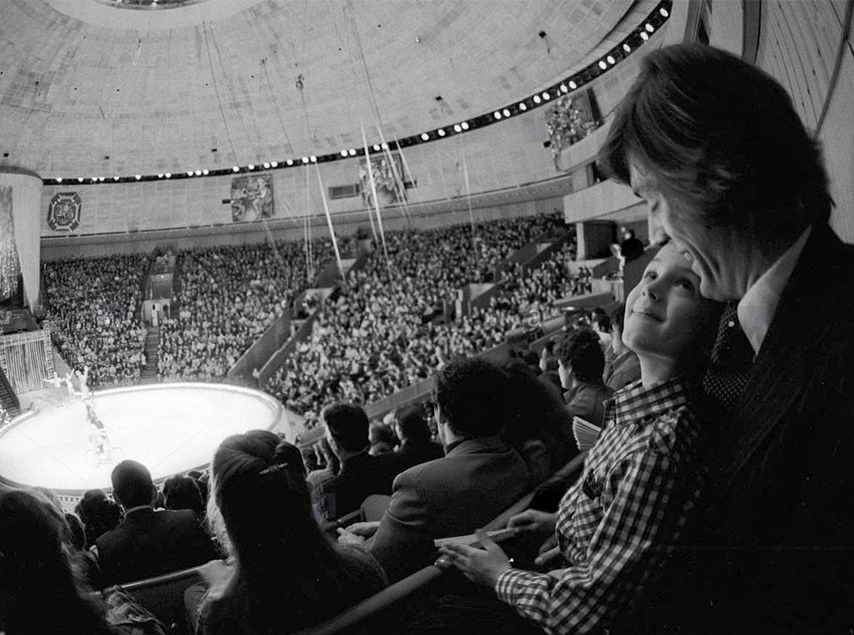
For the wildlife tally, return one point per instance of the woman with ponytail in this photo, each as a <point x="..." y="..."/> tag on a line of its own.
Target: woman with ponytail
<point x="284" y="573"/>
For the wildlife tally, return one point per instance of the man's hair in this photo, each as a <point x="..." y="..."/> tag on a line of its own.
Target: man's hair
<point x="618" y="316"/>
<point x="600" y="318"/>
<point x="132" y="484"/>
<point x="412" y="423"/>
<point x="348" y="425"/>
<point x="582" y="352"/>
<point x="721" y="138"/>
<point x="470" y="393"/>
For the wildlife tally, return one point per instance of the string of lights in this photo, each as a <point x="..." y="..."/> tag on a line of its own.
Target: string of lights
<point x="654" y="21"/>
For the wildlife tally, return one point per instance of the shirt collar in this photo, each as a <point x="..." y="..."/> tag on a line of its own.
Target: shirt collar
<point x="137" y="508"/>
<point x="635" y="401"/>
<point x="756" y="309"/>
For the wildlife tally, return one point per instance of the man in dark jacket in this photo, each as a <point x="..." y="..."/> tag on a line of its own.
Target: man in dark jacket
<point x="148" y="542"/>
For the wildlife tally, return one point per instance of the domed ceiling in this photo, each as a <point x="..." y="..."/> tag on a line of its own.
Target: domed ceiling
<point x="118" y="87"/>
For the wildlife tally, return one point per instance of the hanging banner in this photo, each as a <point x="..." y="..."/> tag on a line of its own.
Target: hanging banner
<point x="251" y="197"/>
<point x="390" y="190"/>
<point x="63" y="215"/>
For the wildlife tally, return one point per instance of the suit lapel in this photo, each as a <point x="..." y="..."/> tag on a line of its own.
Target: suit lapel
<point x="780" y="372"/>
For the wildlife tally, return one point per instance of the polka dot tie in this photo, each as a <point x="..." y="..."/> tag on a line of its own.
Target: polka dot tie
<point x="731" y="361"/>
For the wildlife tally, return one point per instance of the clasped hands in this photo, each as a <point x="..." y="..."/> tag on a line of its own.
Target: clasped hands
<point x="484" y="565"/>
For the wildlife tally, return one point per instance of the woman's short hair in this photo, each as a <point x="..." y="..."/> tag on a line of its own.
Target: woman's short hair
<point x="721" y="138"/>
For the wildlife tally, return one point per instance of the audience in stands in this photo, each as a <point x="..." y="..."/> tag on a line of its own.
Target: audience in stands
<point x="39" y="591"/>
<point x="382" y="439"/>
<point x="98" y="513"/>
<point x="734" y="178"/>
<point x="228" y="296"/>
<point x="91" y="307"/>
<point x="538" y="423"/>
<point x="285" y="574"/>
<point x="479" y="477"/>
<point x="416" y="442"/>
<point x="182" y="492"/>
<point x="640" y="480"/>
<point x="148" y="542"/>
<point x="581" y="364"/>
<point x="623" y="366"/>
<point x="360" y="474"/>
<point x="379" y="335"/>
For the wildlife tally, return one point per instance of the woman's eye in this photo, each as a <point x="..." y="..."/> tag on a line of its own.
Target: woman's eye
<point x="686" y="284"/>
<point x="650" y="275"/>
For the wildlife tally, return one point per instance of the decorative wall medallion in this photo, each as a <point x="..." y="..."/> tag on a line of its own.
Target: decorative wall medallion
<point x="64" y="212"/>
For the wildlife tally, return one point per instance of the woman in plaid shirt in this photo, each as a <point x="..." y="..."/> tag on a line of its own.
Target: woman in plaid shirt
<point x="640" y="479"/>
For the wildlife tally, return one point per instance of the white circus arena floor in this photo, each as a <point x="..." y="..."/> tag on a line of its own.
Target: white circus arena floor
<point x="170" y="428"/>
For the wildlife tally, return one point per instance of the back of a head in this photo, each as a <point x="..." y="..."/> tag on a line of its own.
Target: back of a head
<point x="35" y="568"/>
<point x="132" y="484"/>
<point x="721" y="138"/>
<point x="471" y="395"/>
<point x="348" y="425"/>
<point x="582" y="352"/>
<point x="617" y="315"/>
<point x="182" y="492"/>
<point x="98" y="513"/>
<point x="413" y="424"/>
<point x="535" y="407"/>
<point x="259" y="497"/>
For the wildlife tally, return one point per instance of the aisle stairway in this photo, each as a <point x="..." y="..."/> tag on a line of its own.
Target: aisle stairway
<point x="152" y="346"/>
<point x="8" y="400"/>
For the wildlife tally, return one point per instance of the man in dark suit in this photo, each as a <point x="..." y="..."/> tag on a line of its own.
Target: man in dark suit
<point x="412" y="429"/>
<point x="479" y="477"/>
<point x="735" y="181"/>
<point x="360" y="474"/>
<point x="148" y="543"/>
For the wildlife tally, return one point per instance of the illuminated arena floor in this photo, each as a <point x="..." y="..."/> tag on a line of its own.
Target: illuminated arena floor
<point x="170" y="428"/>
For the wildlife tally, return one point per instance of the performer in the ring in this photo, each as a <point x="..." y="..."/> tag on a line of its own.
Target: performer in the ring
<point x="97" y="433"/>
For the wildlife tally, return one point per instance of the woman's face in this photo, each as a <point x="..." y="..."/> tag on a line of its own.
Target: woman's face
<point x="712" y="251"/>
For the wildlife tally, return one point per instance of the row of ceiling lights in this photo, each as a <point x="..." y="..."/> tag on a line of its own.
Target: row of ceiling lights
<point x="630" y="43"/>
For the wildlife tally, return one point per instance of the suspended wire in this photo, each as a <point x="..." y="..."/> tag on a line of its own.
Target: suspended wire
<point x="398" y="180"/>
<point x="216" y="92"/>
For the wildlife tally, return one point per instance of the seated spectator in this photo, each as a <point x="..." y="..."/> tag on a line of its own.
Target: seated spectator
<point x="479" y="477"/>
<point x="39" y="592"/>
<point x="416" y="438"/>
<point x="182" y="492"/>
<point x="382" y="439"/>
<point x="329" y="464"/>
<point x="416" y="443"/>
<point x="551" y="373"/>
<point x="148" y="542"/>
<point x="640" y="480"/>
<point x="601" y="325"/>
<point x="631" y="247"/>
<point x="285" y="573"/>
<point x="98" y="513"/>
<point x="581" y="364"/>
<point x="624" y="367"/>
<point x="360" y="474"/>
<point x="539" y="426"/>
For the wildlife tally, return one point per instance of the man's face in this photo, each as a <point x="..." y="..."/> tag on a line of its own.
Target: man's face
<point x="666" y="316"/>
<point x="711" y="250"/>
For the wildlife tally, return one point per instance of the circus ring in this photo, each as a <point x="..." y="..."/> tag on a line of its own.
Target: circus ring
<point x="169" y="428"/>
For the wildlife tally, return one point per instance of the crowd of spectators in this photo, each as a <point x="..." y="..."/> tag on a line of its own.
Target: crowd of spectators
<point x="91" y="308"/>
<point x="380" y="333"/>
<point x="228" y="296"/>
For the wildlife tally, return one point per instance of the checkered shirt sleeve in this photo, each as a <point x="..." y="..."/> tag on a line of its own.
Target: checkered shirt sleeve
<point x="639" y="483"/>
